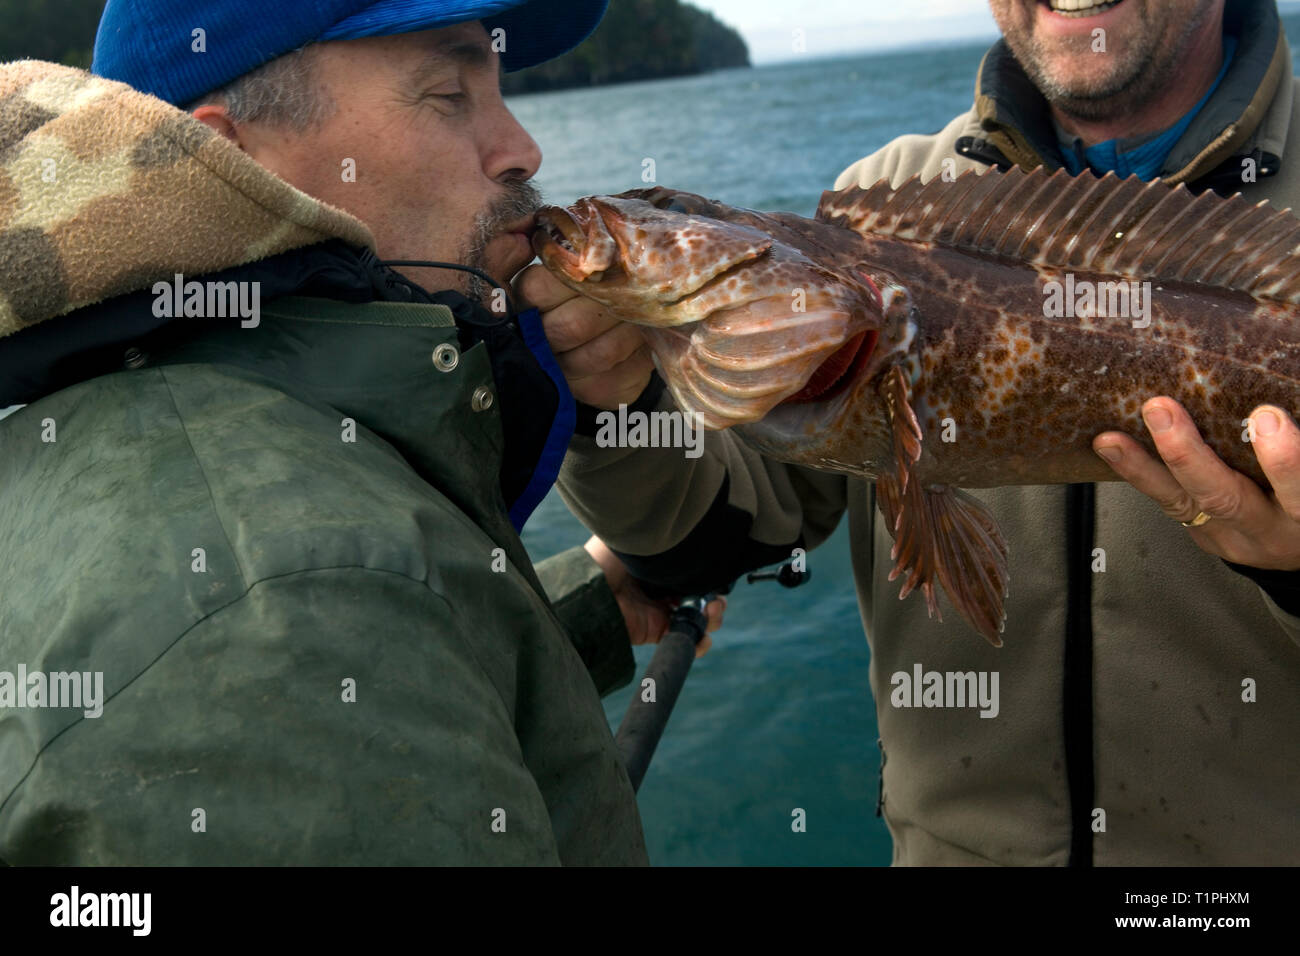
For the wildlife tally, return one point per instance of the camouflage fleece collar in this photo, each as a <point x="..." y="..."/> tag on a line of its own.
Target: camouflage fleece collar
<point x="105" y="190"/>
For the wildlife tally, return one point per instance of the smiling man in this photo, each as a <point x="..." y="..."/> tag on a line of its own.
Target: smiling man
<point x="289" y="546"/>
<point x="1106" y="68"/>
<point x="1145" y="616"/>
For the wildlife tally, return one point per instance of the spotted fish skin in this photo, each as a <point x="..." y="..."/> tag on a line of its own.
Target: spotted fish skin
<point x="1008" y="396"/>
<point x="996" y="324"/>
<point x="1024" y="392"/>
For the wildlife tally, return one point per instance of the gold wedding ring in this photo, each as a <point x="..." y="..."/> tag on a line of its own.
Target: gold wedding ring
<point x="1200" y="519"/>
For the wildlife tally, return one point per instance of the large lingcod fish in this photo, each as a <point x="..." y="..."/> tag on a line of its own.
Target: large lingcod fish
<point x="960" y="333"/>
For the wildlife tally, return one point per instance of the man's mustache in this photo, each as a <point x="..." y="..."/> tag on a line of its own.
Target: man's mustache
<point x="521" y="198"/>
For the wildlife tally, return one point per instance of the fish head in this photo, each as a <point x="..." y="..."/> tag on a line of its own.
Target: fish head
<point x="742" y="311"/>
<point x="631" y="255"/>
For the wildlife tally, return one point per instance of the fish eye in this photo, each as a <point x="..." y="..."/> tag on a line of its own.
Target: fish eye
<point x="669" y="203"/>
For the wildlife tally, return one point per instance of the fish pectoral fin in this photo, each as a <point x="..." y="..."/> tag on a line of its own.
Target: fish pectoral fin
<point x="907" y="430"/>
<point x="944" y="533"/>
<point x="939" y="532"/>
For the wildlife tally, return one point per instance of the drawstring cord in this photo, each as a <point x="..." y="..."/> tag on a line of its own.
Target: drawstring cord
<point x="372" y="260"/>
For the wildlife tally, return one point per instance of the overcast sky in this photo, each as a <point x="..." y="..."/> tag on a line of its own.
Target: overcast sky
<point x="842" y="26"/>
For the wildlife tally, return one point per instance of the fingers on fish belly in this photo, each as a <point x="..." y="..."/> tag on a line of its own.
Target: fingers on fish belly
<point x="940" y="533"/>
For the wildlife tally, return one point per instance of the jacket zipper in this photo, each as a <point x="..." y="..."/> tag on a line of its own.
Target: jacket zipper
<point x="1080" y="531"/>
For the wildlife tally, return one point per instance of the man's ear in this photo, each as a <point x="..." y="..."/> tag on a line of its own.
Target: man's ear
<point x="217" y="117"/>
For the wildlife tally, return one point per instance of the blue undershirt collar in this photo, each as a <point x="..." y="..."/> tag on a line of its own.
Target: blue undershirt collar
<point x="1145" y="156"/>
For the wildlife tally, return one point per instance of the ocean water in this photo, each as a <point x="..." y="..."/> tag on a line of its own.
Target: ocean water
<point x="779" y="715"/>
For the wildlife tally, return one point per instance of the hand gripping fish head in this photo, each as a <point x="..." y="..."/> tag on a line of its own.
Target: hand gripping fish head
<point x="740" y="316"/>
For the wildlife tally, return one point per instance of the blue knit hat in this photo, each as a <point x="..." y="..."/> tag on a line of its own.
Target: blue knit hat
<point x="152" y="44"/>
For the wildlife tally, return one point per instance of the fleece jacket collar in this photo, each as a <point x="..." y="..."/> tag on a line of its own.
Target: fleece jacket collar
<point x="105" y="190"/>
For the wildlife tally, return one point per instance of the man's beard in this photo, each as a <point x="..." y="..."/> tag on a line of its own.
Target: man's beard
<point x="1156" y="60"/>
<point x="521" y="198"/>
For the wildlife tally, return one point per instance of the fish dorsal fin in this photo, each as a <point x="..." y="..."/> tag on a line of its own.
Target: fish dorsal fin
<point x="1123" y="227"/>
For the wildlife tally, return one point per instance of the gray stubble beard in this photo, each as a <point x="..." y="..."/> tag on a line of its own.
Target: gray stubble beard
<point x="521" y="199"/>
<point x="1153" y="70"/>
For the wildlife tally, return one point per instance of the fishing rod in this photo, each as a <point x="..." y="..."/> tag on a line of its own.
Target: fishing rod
<point x="652" y="703"/>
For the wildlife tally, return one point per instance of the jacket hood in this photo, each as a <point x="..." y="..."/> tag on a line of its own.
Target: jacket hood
<point x="105" y="190"/>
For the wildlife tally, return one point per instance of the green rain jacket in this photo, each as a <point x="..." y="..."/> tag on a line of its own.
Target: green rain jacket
<point x="282" y="548"/>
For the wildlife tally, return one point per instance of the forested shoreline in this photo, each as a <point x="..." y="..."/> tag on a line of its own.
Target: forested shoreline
<point x="640" y="40"/>
<point x="637" y="40"/>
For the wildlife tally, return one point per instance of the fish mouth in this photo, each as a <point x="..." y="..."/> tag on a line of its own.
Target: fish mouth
<point x="833" y="376"/>
<point x="558" y="227"/>
<point x="557" y="240"/>
<point x="574" y="241"/>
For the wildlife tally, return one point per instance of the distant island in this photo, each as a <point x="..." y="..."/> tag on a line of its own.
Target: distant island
<point x="639" y="40"/>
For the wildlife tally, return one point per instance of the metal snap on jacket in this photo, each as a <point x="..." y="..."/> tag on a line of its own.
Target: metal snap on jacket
<point x="482" y="399"/>
<point x="133" y="358"/>
<point x="445" y="358"/>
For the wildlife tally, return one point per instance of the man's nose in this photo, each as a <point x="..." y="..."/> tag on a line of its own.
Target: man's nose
<point x="513" y="153"/>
